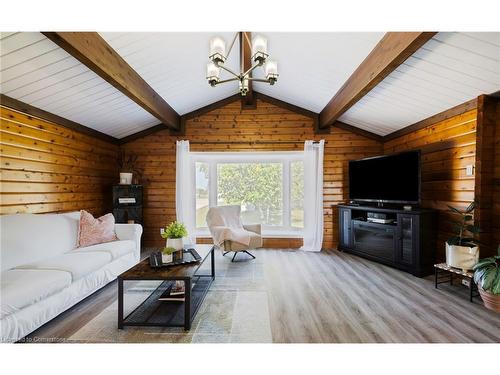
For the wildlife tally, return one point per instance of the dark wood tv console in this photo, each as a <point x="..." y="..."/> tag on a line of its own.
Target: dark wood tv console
<point x="408" y="243"/>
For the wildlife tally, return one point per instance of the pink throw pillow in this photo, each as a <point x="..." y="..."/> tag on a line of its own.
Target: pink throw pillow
<point x="95" y="231"/>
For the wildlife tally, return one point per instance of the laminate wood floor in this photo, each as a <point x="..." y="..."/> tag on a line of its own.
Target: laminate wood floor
<point x="327" y="297"/>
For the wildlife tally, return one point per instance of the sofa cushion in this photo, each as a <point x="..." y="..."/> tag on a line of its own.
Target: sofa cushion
<point x="116" y="249"/>
<point x="33" y="237"/>
<point x="21" y="288"/>
<point x="79" y="264"/>
<point x="94" y="231"/>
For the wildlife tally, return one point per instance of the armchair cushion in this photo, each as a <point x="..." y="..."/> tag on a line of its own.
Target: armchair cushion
<point x="224" y="223"/>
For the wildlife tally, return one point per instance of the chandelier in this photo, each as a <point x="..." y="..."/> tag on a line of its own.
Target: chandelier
<point x="259" y="57"/>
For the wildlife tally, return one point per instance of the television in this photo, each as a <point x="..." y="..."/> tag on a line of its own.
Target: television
<point x="386" y="179"/>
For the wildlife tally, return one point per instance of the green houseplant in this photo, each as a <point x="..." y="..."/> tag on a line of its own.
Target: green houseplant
<point x="462" y="250"/>
<point x="487" y="278"/>
<point x="174" y="232"/>
<point x="167" y="255"/>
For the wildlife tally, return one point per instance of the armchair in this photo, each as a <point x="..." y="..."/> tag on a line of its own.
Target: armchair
<point x="230" y="234"/>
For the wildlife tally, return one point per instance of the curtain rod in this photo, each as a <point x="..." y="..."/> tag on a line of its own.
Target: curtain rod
<point x="246" y="142"/>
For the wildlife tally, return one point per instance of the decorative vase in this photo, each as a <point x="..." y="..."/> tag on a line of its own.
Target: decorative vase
<point x="176" y="243"/>
<point x="491" y="301"/>
<point x="167" y="258"/>
<point x="126" y="178"/>
<point x="463" y="257"/>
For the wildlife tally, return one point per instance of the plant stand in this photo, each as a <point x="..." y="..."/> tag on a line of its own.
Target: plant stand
<point x="444" y="274"/>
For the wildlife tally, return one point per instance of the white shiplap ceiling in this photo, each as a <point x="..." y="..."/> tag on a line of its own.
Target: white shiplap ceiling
<point x="448" y="70"/>
<point x="36" y="71"/>
<point x="312" y="66"/>
<point x="174" y="65"/>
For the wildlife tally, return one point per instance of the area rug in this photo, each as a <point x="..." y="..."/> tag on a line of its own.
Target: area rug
<point x="234" y="310"/>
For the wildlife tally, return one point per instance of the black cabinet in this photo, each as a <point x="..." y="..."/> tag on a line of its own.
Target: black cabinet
<point x="345" y="231"/>
<point x="127" y="203"/>
<point x="407" y="242"/>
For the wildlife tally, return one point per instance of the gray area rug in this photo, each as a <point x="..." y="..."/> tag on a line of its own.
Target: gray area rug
<point x="234" y="310"/>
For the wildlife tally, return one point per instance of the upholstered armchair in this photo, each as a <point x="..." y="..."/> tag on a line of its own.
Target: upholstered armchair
<point x="230" y="234"/>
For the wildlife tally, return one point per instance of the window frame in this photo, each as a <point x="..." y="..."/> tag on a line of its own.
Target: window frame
<point x="282" y="157"/>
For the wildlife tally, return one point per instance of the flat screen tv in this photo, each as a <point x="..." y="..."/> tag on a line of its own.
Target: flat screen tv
<point x="389" y="179"/>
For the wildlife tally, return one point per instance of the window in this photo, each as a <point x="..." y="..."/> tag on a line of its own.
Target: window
<point x="269" y="187"/>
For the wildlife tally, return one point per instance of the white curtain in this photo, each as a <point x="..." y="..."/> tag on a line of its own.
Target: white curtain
<point x="313" y="195"/>
<point x="184" y="190"/>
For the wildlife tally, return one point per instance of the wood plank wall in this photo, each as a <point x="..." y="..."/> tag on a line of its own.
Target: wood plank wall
<point x="496" y="183"/>
<point x="447" y="146"/>
<point x="46" y="167"/>
<point x="266" y="122"/>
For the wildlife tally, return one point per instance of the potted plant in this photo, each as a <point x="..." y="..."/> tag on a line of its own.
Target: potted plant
<point x="126" y="163"/>
<point x="167" y="255"/>
<point x="174" y="232"/>
<point x="462" y="251"/>
<point x="487" y="278"/>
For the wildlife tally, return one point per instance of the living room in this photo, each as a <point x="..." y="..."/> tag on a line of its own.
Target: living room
<point x="190" y="186"/>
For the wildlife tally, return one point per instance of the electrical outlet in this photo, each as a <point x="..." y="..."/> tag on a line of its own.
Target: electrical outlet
<point x="162" y="230"/>
<point x="469" y="170"/>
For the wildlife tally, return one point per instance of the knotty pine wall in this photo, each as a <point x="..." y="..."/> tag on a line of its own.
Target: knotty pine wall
<point x="266" y="122"/>
<point x="46" y="167"/>
<point x="496" y="183"/>
<point x="447" y="147"/>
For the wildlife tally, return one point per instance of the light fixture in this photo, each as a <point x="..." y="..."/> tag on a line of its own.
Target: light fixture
<point x="259" y="56"/>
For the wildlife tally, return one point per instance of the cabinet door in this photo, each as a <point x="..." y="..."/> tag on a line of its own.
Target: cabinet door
<point x="407" y="239"/>
<point x="345" y="237"/>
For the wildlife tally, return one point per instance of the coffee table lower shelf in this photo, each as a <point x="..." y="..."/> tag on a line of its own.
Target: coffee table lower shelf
<point x="153" y="312"/>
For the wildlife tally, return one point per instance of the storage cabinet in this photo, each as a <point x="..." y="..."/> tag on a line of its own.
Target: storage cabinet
<point x="345" y="232"/>
<point x="406" y="243"/>
<point x="127" y="203"/>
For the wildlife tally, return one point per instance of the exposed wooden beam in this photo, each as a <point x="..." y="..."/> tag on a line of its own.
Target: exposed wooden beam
<point x="388" y="54"/>
<point x="449" y="113"/>
<point x="94" y="52"/>
<point x="484" y="178"/>
<point x="28" y="109"/>
<point x="247" y="101"/>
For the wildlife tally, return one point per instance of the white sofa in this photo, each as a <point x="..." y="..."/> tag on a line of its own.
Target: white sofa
<point x="44" y="274"/>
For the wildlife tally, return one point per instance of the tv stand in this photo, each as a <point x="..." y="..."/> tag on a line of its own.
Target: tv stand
<point x="408" y="243"/>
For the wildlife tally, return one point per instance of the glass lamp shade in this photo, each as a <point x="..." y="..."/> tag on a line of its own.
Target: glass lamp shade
<point x="271" y="67"/>
<point x="271" y="70"/>
<point x="218" y="47"/>
<point x="213" y="72"/>
<point x="259" y="45"/>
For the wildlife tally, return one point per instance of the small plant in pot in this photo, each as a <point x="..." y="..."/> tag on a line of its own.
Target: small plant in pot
<point x="126" y="163"/>
<point x="462" y="250"/>
<point x="167" y="255"/>
<point x="487" y="278"/>
<point x="174" y="233"/>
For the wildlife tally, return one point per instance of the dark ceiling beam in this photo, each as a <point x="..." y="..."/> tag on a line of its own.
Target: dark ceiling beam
<point x="247" y="101"/>
<point x="392" y="50"/>
<point x="94" y="52"/>
<point x="28" y="109"/>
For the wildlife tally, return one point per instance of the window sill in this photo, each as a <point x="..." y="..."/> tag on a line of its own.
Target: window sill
<point x="267" y="234"/>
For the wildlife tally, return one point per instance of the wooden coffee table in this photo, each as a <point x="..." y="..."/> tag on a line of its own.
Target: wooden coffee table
<point x="154" y="312"/>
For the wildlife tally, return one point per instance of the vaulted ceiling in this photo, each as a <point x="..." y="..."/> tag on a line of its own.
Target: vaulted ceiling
<point x="448" y="70"/>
